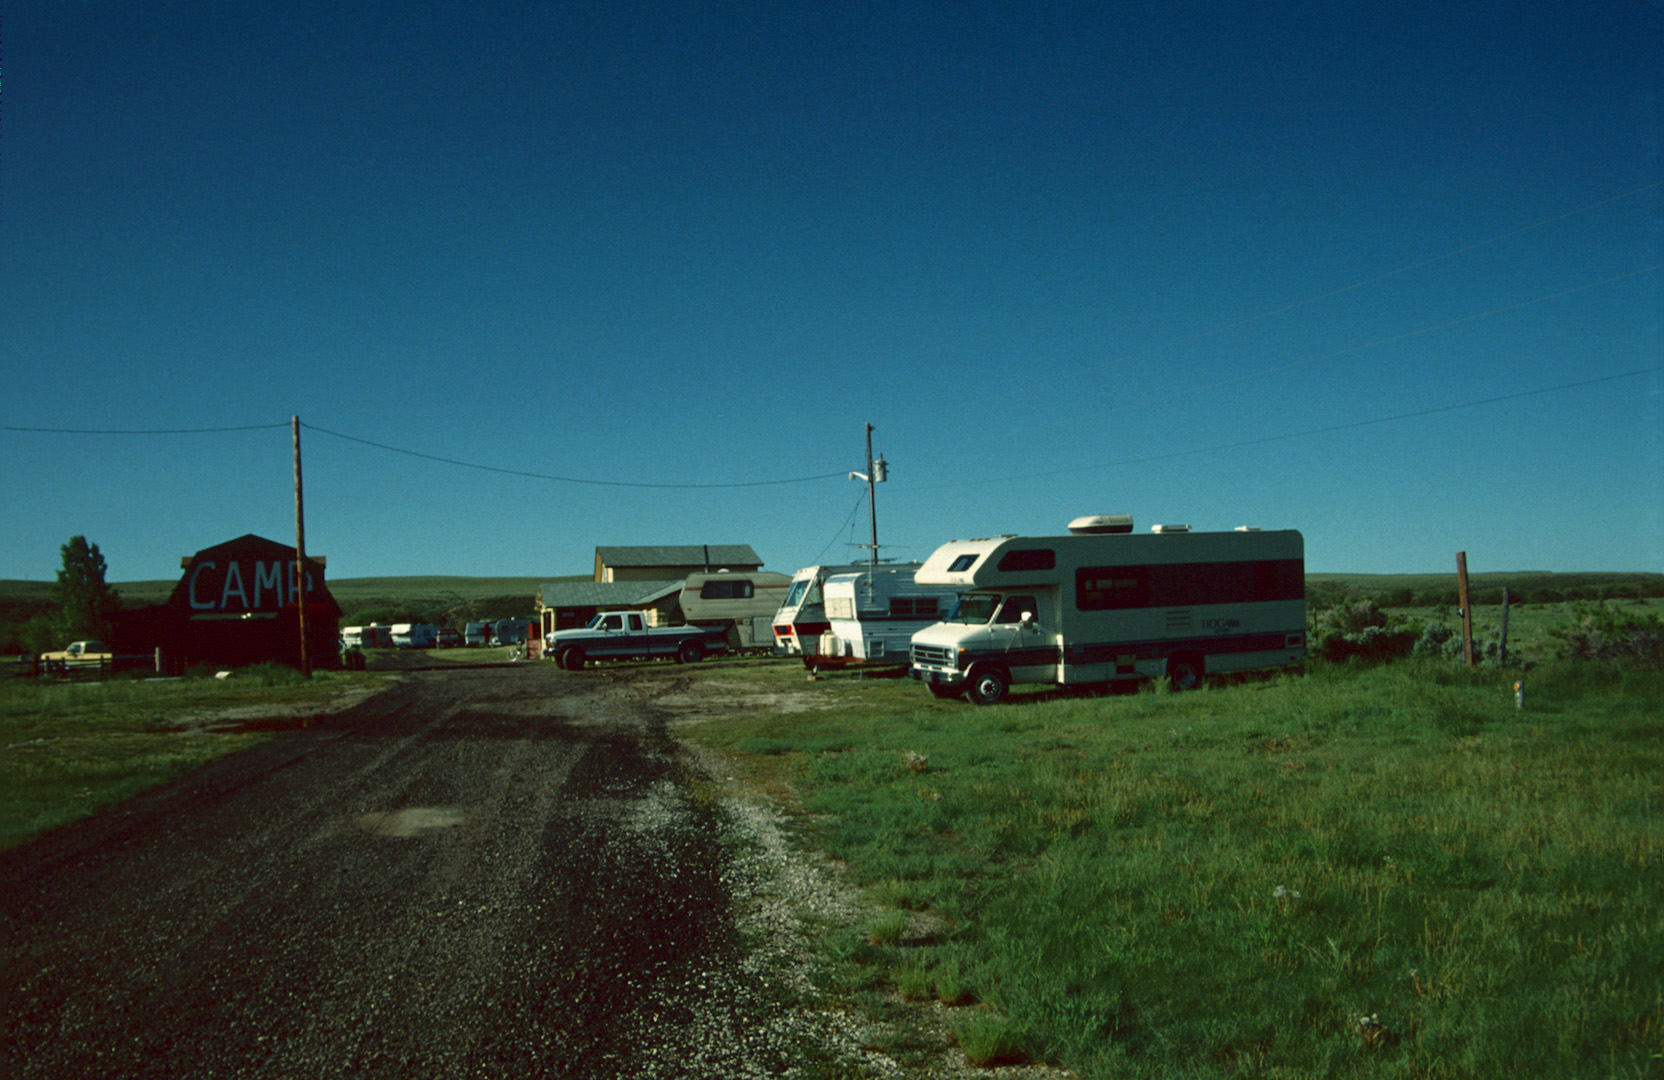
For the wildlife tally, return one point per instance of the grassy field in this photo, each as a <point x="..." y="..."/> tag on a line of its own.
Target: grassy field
<point x="1361" y="871"/>
<point x="1357" y="872"/>
<point x="69" y="748"/>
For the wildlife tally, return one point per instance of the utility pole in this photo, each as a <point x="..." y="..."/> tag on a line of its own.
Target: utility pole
<point x="876" y="471"/>
<point x="300" y="554"/>
<point x="872" y="505"/>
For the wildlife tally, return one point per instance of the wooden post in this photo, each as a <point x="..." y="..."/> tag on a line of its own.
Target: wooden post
<point x="1502" y="650"/>
<point x="300" y="554"/>
<point x="1467" y="606"/>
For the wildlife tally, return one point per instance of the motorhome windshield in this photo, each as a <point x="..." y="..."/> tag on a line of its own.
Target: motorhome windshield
<point x="794" y="598"/>
<point x="975" y="608"/>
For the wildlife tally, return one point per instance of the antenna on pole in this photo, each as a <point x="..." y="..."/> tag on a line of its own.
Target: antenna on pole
<point x="876" y="471"/>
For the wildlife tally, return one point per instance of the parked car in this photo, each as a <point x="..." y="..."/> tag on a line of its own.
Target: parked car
<point x="450" y="638"/>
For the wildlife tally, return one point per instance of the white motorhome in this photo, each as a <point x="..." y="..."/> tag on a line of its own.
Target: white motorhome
<point x="801" y="619"/>
<point x="744" y="600"/>
<point x="1102" y="604"/>
<point x="873" y="614"/>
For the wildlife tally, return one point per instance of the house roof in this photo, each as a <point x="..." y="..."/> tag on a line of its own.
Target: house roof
<point x="680" y="555"/>
<point x="562" y="594"/>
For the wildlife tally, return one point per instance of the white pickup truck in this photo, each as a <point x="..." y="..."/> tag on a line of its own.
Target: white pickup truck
<point x="625" y="635"/>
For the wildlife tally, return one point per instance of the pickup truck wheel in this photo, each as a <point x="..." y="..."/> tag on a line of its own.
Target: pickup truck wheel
<point x="987" y="687"/>
<point x="691" y="652"/>
<point x="572" y="659"/>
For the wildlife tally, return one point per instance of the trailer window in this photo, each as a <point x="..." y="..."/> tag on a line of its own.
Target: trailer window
<point x="726" y="590"/>
<point x="1028" y="559"/>
<point x="1112" y="588"/>
<point x="914" y="607"/>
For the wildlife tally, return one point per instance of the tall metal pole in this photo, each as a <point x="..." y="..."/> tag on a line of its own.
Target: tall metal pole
<point x="872" y="506"/>
<point x="300" y="554"/>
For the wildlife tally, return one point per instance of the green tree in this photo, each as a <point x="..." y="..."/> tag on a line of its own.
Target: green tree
<point x="85" y="601"/>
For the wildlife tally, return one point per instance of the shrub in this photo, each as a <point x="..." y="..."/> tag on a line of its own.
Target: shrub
<point x="1606" y="631"/>
<point x="1358" y="628"/>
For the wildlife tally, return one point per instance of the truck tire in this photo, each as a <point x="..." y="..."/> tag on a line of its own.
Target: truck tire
<point x="691" y="652"/>
<point x="572" y="658"/>
<point x="1184" y="672"/>
<point x="987" y="686"/>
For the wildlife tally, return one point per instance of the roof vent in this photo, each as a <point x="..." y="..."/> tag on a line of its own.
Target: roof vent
<point x="1095" y="524"/>
<point x="1169" y="528"/>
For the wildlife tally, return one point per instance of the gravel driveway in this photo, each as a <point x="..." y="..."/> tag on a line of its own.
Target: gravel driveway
<point x="495" y="872"/>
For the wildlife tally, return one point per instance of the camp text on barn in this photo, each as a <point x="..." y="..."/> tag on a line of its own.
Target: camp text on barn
<point x="236" y="587"/>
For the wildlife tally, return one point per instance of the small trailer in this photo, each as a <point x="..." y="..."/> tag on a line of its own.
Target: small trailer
<point x="872" y="616"/>
<point x="415" y="636"/>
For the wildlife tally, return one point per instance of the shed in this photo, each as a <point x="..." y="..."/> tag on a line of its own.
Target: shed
<point x="563" y="605"/>
<point x="672" y="561"/>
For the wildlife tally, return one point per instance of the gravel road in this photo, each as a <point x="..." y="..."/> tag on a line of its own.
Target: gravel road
<point x="493" y="872"/>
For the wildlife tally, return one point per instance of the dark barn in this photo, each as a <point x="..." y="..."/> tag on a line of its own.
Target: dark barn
<point x="237" y="604"/>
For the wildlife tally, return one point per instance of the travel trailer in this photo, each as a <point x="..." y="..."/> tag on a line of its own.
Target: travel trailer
<point x="373" y="636"/>
<point x="801" y="619"/>
<point x="415" y="635"/>
<point x="1102" y="604"/>
<point x="745" y="600"/>
<point x="873" y="614"/>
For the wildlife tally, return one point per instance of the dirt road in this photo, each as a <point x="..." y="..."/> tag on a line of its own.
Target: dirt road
<point x="492" y="872"/>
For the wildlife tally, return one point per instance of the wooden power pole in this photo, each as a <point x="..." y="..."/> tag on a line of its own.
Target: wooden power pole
<point x="1467" y="606"/>
<point x="300" y="554"/>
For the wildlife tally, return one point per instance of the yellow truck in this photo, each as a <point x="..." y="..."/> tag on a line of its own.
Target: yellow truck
<point x="80" y="654"/>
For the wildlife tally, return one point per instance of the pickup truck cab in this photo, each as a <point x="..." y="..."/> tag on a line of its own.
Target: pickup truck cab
<point x="78" y="654"/>
<point x="625" y="635"/>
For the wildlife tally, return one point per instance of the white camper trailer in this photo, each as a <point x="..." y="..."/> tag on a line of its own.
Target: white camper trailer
<point x="1102" y="604"/>
<point x="801" y="619"/>
<point x="415" y="636"/>
<point x="873" y="614"/>
<point x="743" y="600"/>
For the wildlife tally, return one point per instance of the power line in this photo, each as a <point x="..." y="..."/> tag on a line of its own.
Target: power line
<point x="146" y="431"/>
<point x="1296" y="434"/>
<point x="568" y="479"/>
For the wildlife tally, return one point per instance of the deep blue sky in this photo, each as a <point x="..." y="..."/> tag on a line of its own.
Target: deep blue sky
<point x="1068" y="259"/>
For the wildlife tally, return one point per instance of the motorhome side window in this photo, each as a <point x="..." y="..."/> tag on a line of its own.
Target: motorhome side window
<point x="961" y="564"/>
<point x="1023" y="559"/>
<point x="1014" y="608"/>
<point x="1111" y="588"/>
<point x="914" y="607"/>
<point x="726" y="590"/>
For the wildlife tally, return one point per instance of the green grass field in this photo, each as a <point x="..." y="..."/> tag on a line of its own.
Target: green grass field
<point x="70" y="748"/>
<point x="1357" y="872"/>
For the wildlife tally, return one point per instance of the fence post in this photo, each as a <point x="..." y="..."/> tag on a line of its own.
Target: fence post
<point x="1502" y="650"/>
<point x="1467" y="606"/>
